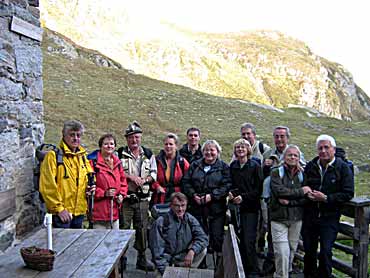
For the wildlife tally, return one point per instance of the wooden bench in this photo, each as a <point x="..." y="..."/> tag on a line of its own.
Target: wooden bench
<point x="232" y="266"/>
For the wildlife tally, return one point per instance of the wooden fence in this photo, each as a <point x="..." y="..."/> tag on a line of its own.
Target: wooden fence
<point x="358" y="209"/>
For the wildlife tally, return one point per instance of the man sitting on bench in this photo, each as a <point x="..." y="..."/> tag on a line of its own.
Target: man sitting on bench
<point x="177" y="237"/>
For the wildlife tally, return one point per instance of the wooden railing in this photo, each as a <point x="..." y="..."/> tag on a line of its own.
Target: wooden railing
<point x="359" y="209"/>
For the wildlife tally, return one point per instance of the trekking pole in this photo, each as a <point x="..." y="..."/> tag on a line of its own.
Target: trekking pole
<point x="143" y="237"/>
<point x="111" y="212"/>
<point x="91" y="183"/>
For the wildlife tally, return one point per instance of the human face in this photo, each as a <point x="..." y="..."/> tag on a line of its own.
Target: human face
<point x="178" y="207"/>
<point x="241" y="151"/>
<point x="73" y="139"/>
<point x="280" y="139"/>
<point x="134" y="141"/>
<point x="193" y="138"/>
<point x="107" y="147"/>
<point x="210" y="153"/>
<point x="325" y="151"/>
<point x="291" y="157"/>
<point x="248" y="135"/>
<point x="170" y="147"/>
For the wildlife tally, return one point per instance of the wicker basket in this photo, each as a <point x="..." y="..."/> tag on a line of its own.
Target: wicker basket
<point x="38" y="258"/>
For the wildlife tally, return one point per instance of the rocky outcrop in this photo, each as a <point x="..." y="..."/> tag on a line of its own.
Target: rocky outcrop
<point x="21" y="126"/>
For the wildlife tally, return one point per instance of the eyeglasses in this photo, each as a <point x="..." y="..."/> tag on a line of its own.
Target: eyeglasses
<point x="74" y="134"/>
<point x="279" y="136"/>
<point x="193" y="135"/>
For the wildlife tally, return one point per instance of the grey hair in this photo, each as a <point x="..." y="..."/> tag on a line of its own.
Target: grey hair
<point x="73" y="125"/>
<point x="248" y="125"/>
<point x="212" y="142"/>
<point x="325" y="137"/>
<point x="287" y="130"/>
<point x="171" y="136"/>
<point x="292" y="147"/>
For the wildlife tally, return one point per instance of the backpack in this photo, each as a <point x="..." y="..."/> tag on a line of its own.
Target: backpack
<point x="341" y="153"/>
<point x="266" y="192"/>
<point x="40" y="153"/>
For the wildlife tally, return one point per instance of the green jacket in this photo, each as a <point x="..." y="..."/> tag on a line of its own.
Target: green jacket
<point x="289" y="188"/>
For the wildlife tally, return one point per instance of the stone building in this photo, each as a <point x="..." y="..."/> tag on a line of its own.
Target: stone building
<point x="21" y="111"/>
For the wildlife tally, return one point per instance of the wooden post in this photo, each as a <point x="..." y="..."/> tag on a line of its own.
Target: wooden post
<point x="360" y="245"/>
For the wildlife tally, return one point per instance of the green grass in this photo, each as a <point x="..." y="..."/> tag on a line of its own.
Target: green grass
<point x="107" y="99"/>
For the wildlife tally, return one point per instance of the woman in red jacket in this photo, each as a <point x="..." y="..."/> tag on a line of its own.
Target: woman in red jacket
<point x="171" y="167"/>
<point x="111" y="184"/>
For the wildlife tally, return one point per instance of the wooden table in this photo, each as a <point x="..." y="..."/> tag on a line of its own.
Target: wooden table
<point x="80" y="253"/>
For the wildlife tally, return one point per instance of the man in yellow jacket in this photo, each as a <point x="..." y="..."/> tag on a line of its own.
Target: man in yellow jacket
<point x="63" y="185"/>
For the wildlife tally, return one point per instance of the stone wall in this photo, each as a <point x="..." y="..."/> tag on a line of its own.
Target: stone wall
<point x="21" y="112"/>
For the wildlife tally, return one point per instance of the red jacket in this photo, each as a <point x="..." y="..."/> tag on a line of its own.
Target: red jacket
<point x="107" y="178"/>
<point x="172" y="185"/>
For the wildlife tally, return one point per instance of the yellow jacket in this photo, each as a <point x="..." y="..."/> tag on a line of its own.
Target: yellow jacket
<point x="64" y="188"/>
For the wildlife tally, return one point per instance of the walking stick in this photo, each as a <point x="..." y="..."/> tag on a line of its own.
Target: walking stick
<point x="91" y="183"/>
<point x="111" y="212"/>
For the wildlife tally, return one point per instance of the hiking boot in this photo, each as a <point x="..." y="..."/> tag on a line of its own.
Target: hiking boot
<point x="144" y="264"/>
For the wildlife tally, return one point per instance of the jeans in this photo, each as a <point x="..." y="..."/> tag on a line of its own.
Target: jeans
<point x="325" y="230"/>
<point x="75" y="223"/>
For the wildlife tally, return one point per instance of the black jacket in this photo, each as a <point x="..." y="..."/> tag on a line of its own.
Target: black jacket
<point x="216" y="182"/>
<point x="247" y="182"/>
<point x="185" y="153"/>
<point x="337" y="183"/>
<point x="290" y="188"/>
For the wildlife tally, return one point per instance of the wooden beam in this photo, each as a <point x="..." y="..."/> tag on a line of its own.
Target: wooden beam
<point x="7" y="203"/>
<point x="26" y="29"/>
<point x="34" y="3"/>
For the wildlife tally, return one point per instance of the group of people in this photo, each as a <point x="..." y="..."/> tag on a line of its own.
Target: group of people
<point x="272" y="190"/>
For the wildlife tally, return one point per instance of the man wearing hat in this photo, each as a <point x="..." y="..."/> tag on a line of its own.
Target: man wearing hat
<point x="141" y="170"/>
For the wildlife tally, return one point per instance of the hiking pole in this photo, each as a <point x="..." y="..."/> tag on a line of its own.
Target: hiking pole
<point x="111" y="212"/>
<point x="91" y="183"/>
<point x="143" y="238"/>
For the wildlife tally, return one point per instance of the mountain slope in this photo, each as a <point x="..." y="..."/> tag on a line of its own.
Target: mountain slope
<point x="84" y="85"/>
<point x="262" y="66"/>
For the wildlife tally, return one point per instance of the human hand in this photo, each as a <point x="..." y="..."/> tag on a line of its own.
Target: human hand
<point x="317" y="196"/>
<point x="207" y="198"/>
<point x="284" y="202"/>
<point x="120" y="199"/>
<point x="90" y="190"/>
<point x="65" y="216"/>
<point x="198" y="199"/>
<point x="238" y="199"/>
<point x="306" y="189"/>
<point x="110" y="192"/>
<point x="160" y="189"/>
<point x="188" y="260"/>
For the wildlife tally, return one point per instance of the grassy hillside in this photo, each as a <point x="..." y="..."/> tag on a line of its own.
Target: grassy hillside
<point x="107" y="99"/>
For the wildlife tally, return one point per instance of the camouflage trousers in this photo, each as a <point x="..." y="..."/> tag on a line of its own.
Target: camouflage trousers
<point x="136" y="213"/>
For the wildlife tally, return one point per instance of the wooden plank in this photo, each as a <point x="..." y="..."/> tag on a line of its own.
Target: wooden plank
<point x="200" y="273"/>
<point x="344" y="267"/>
<point x="73" y="257"/>
<point x="172" y="272"/>
<point x="11" y="262"/>
<point x="102" y="260"/>
<point x="33" y="3"/>
<point x="344" y="248"/>
<point x="26" y="29"/>
<point x="361" y="262"/>
<point x="349" y="229"/>
<point x="7" y="203"/>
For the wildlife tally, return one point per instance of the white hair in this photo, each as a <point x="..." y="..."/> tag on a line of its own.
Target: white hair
<point x="325" y="137"/>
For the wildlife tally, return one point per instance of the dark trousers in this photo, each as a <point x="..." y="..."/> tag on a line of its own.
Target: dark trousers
<point x="75" y="223"/>
<point x="322" y="229"/>
<point x="248" y="234"/>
